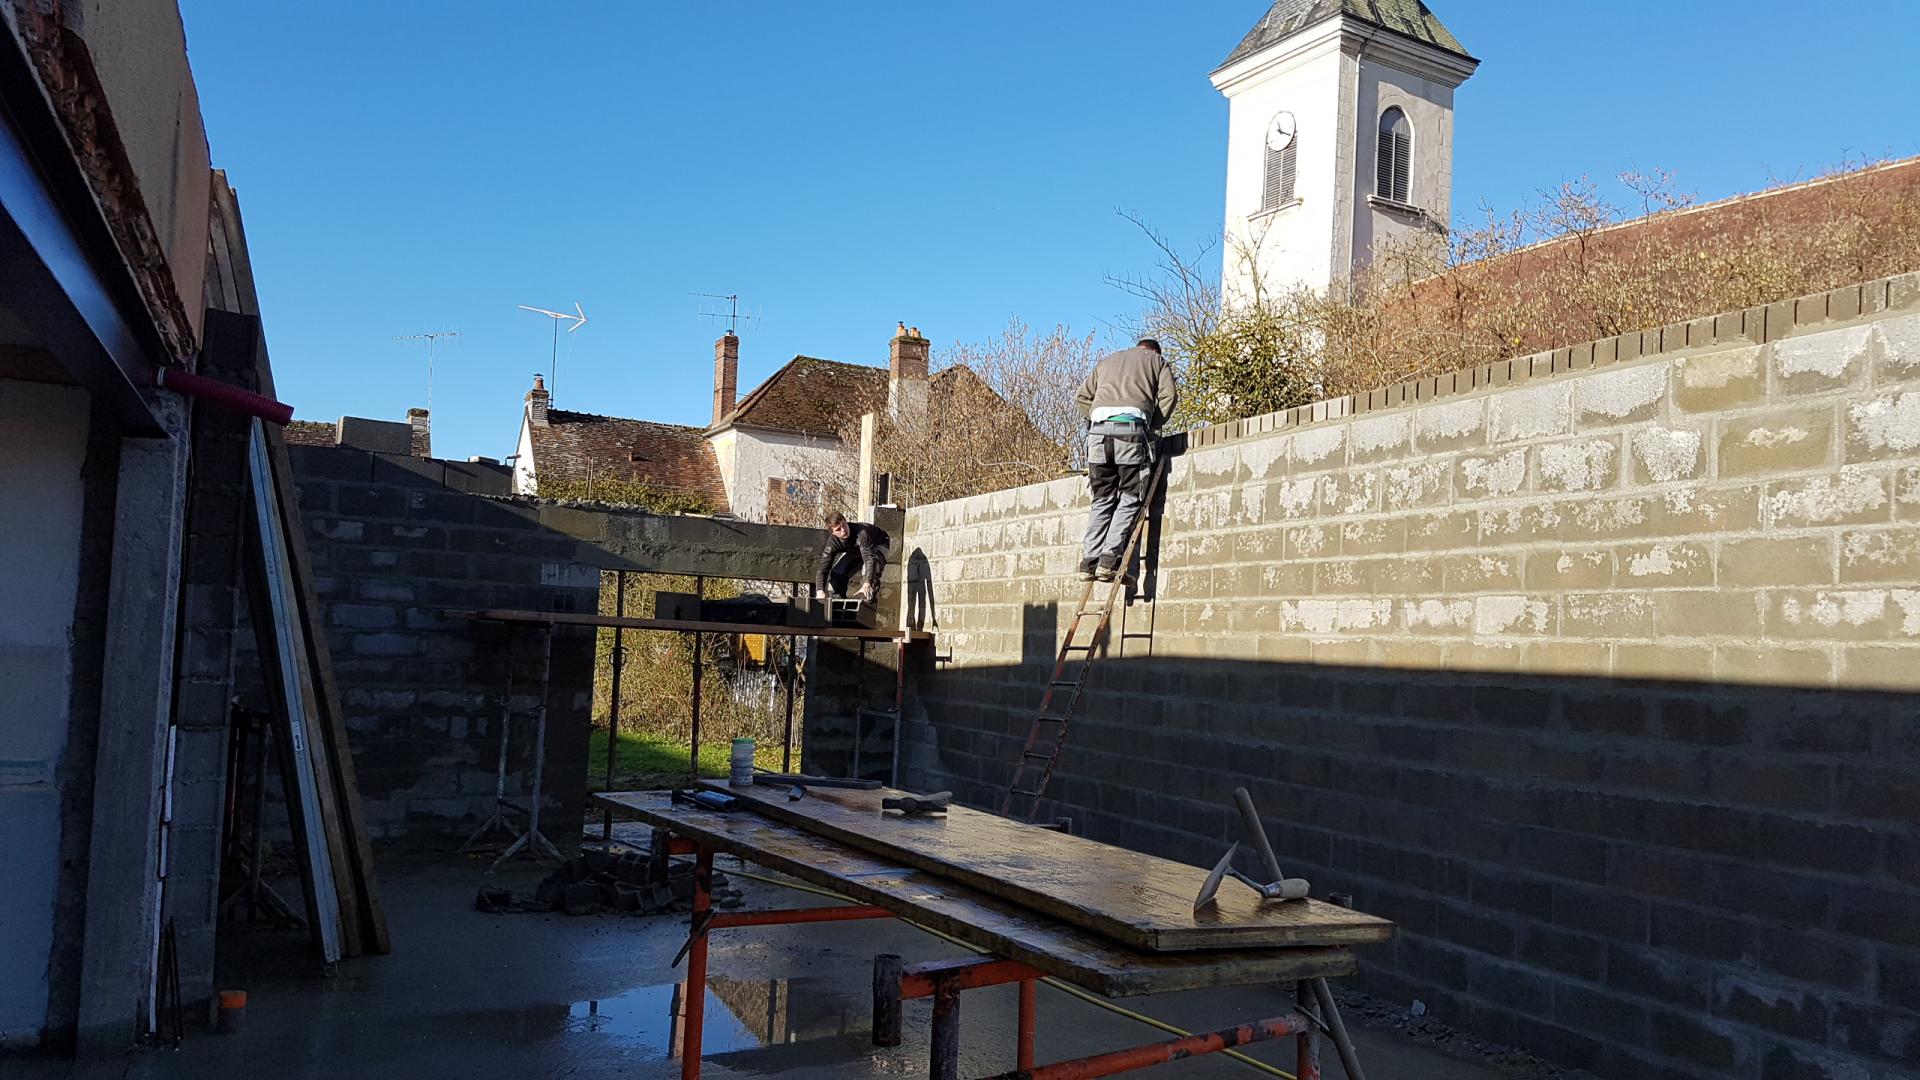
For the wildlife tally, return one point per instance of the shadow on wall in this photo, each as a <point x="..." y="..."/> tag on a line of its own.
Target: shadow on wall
<point x="1617" y="875"/>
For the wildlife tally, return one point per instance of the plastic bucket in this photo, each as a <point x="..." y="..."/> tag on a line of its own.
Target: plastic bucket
<point x="741" y="774"/>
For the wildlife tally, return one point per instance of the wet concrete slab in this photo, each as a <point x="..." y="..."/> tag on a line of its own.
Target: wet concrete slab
<point x="472" y="995"/>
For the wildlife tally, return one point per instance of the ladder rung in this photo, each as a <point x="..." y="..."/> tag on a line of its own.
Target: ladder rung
<point x="1077" y="648"/>
<point x="1024" y="791"/>
<point x="1036" y="756"/>
<point x="1045" y="716"/>
<point x="1063" y="682"/>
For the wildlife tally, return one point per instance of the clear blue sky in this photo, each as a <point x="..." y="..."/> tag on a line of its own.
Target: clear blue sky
<point x="421" y="166"/>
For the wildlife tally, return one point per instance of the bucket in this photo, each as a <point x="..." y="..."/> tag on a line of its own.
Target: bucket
<point x="742" y="773"/>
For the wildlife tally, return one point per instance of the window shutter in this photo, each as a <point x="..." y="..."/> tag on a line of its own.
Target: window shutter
<point x="1402" y="164"/>
<point x="1393" y="157"/>
<point x="1277" y="190"/>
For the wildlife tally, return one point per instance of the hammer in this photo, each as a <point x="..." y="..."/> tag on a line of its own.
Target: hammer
<point x="1282" y="887"/>
<point x="935" y="803"/>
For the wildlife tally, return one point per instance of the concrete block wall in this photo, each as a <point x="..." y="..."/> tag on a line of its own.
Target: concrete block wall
<point x="393" y="549"/>
<point x="397" y="541"/>
<point x="1596" y="670"/>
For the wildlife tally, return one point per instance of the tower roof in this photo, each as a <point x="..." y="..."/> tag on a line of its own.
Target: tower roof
<point x="1409" y="18"/>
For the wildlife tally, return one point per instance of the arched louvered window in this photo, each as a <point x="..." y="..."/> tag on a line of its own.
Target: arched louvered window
<point x="1393" y="160"/>
<point x="1278" y="189"/>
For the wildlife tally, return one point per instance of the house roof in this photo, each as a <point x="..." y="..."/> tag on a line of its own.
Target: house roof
<point x="1409" y="18"/>
<point x="585" y="447"/>
<point x="811" y="396"/>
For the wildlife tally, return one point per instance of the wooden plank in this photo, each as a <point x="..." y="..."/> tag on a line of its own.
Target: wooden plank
<point x="1003" y="928"/>
<point x="283" y="665"/>
<point x="1139" y="900"/>
<point x="563" y="618"/>
<point x="371" y="921"/>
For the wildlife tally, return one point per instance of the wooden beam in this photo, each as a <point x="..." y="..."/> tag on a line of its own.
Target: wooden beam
<point x="978" y="918"/>
<point x="685" y="626"/>
<point x="1137" y="900"/>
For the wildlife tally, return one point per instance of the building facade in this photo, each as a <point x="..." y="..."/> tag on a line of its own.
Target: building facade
<point x="1340" y="140"/>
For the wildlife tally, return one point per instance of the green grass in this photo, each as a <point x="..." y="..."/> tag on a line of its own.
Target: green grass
<point x="642" y="759"/>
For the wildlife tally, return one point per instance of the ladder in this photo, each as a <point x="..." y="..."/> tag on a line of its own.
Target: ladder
<point x="1069" y="678"/>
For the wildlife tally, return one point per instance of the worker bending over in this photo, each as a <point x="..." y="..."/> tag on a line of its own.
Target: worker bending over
<point x="851" y="545"/>
<point x="1125" y="399"/>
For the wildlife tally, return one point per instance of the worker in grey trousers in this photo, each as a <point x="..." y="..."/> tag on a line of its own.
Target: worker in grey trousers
<point x="1125" y="399"/>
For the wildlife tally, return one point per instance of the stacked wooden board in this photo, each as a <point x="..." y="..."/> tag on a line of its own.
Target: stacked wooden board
<point x="973" y="915"/>
<point x="1137" y="900"/>
<point x="322" y="792"/>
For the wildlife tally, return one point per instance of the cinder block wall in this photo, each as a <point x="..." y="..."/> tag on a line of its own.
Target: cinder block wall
<point x="393" y="550"/>
<point x="1596" y="670"/>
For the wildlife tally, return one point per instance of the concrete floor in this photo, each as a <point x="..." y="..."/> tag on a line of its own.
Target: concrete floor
<point x="479" y="996"/>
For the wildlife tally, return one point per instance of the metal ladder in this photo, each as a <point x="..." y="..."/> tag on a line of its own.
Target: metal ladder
<point x="1043" y="751"/>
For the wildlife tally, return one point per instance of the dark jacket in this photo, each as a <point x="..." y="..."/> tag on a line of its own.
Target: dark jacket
<point x="869" y="541"/>
<point x="1137" y="378"/>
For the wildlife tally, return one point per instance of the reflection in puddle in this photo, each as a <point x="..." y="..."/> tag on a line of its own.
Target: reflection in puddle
<point x="740" y="1014"/>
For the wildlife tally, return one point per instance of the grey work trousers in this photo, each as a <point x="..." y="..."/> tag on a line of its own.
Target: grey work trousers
<point x="1119" y="461"/>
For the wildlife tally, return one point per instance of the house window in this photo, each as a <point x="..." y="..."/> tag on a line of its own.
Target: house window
<point x="1278" y="190"/>
<point x="794" y="502"/>
<point x="1393" y="160"/>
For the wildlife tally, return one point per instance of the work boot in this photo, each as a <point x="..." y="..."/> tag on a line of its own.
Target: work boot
<point x="1086" y="569"/>
<point x="1106" y="568"/>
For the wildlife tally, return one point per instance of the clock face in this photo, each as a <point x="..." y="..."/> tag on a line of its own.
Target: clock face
<point x="1281" y="130"/>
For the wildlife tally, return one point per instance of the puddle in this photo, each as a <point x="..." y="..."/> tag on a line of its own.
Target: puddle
<point x="740" y="1014"/>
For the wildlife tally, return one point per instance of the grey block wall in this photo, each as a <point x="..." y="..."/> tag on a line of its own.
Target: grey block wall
<point x="1596" y="671"/>
<point x="393" y="550"/>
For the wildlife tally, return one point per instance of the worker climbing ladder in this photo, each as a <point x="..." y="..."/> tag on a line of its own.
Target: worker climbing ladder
<point x="1069" y="678"/>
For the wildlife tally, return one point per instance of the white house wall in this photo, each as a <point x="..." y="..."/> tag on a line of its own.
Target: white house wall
<point x="43" y="438"/>
<point x="723" y="455"/>
<point x="762" y="455"/>
<point x="525" y="482"/>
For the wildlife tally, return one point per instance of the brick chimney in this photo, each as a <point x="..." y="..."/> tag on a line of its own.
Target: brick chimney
<point x="422" y="433"/>
<point x="726" y="375"/>
<point x="908" y="357"/>
<point x="537" y="401"/>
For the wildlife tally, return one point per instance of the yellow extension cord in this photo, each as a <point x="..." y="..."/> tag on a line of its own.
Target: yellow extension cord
<point x="1068" y="988"/>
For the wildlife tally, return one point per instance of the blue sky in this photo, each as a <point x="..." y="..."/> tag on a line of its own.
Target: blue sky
<point x="423" y="166"/>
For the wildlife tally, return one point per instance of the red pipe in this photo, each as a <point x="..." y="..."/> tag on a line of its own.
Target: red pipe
<point x="968" y="976"/>
<point x="187" y="384"/>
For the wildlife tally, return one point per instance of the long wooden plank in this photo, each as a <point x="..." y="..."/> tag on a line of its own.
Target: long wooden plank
<point x="284" y="667"/>
<point x="564" y="618"/>
<point x="989" y="922"/>
<point x="1138" y="900"/>
<point x="330" y="717"/>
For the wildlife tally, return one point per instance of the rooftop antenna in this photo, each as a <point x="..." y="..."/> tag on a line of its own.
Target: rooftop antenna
<point x="579" y="318"/>
<point x="432" y="338"/>
<point x="732" y="314"/>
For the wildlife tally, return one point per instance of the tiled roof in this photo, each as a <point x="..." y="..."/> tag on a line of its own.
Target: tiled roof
<point x="811" y="396"/>
<point x="1288" y="17"/>
<point x="583" y="447"/>
<point x="308" y="433"/>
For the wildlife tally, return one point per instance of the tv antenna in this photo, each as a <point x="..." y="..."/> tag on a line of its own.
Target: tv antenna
<point x="579" y="318"/>
<point x="732" y="314"/>
<point x="432" y="338"/>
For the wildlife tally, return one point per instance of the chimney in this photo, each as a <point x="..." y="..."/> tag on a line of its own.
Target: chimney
<point x="908" y="357"/>
<point x="537" y="400"/>
<point x="908" y="354"/>
<point x="422" y="433"/>
<point x="726" y="375"/>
